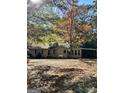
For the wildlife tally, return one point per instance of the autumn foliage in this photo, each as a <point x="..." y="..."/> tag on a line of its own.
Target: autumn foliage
<point x="65" y="20"/>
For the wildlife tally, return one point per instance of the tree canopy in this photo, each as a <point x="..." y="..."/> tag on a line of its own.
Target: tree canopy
<point x="61" y="21"/>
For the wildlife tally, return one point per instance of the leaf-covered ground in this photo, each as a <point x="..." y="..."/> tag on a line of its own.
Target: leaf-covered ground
<point x="62" y="75"/>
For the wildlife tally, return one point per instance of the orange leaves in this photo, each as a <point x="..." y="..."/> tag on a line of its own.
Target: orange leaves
<point x="85" y="27"/>
<point x="70" y="29"/>
<point x="64" y="24"/>
<point x="71" y="12"/>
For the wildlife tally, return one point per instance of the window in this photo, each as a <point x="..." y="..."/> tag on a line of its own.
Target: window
<point x="48" y="52"/>
<point x="78" y="52"/>
<point x="64" y="51"/>
<point x="75" y="52"/>
<point x="72" y="52"/>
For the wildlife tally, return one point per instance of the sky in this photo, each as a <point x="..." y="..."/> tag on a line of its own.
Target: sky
<point x="85" y="1"/>
<point x="80" y="1"/>
<point x="36" y="3"/>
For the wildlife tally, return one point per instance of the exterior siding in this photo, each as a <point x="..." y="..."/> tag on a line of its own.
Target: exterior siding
<point x="31" y="53"/>
<point x="61" y="52"/>
<point x="76" y="53"/>
<point x="45" y="53"/>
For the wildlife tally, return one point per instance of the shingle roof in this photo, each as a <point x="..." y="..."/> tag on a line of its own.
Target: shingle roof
<point x="66" y="45"/>
<point x="39" y="46"/>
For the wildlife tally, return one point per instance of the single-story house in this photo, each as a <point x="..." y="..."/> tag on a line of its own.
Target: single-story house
<point x="61" y="50"/>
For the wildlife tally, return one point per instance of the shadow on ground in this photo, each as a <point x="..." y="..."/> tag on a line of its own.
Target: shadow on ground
<point x="50" y="79"/>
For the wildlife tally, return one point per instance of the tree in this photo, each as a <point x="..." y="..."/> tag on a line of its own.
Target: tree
<point x="76" y="20"/>
<point x="64" y="19"/>
<point x="40" y="23"/>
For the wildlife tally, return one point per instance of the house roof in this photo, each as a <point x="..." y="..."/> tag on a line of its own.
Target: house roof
<point x="65" y="45"/>
<point x="55" y="45"/>
<point x="38" y="46"/>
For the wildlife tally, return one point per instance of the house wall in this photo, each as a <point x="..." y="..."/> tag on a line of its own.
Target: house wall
<point x="31" y="52"/>
<point x="45" y="53"/>
<point x="38" y="53"/>
<point x="75" y="53"/>
<point x="54" y="52"/>
<point x="61" y="52"/>
<point x="41" y="53"/>
<point x="89" y="53"/>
